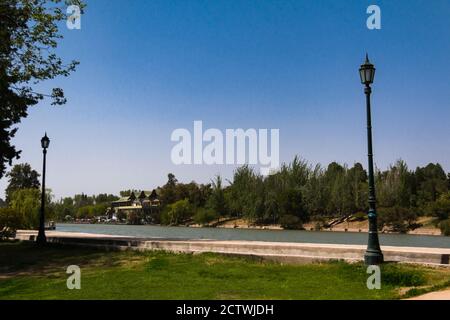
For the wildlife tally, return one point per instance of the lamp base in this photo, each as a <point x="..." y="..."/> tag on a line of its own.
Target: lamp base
<point x="41" y="239"/>
<point x="373" y="257"/>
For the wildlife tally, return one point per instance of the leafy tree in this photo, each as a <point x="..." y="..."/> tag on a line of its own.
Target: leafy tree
<point x="445" y="227"/>
<point x="81" y="200"/>
<point x="395" y="186"/>
<point x="29" y="34"/>
<point x="397" y="219"/>
<point x="316" y="192"/>
<point x="28" y="202"/>
<point x="177" y="212"/>
<point x="357" y="180"/>
<point x="10" y="221"/>
<point x="216" y="201"/>
<point x="441" y="207"/>
<point x="431" y="183"/>
<point x="204" y="216"/>
<point x="169" y="190"/>
<point x="21" y="176"/>
<point x="290" y="222"/>
<point x="104" y="198"/>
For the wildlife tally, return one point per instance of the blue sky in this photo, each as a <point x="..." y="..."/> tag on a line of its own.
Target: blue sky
<point x="149" y="67"/>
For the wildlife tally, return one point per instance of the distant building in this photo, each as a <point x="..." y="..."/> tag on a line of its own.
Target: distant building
<point x="136" y="210"/>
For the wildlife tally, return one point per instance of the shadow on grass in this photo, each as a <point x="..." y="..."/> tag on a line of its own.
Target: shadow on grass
<point x="26" y="258"/>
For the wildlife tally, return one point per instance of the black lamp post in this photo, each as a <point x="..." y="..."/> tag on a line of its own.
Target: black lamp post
<point x="373" y="255"/>
<point x="41" y="238"/>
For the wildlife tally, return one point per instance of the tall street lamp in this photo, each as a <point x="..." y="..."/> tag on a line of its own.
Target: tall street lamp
<point x="373" y="255"/>
<point x="41" y="238"/>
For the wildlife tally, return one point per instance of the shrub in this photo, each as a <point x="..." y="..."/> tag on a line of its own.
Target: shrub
<point x="10" y="221"/>
<point x="397" y="219"/>
<point x="359" y="216"/>
<point x="27" y="202"/>
<point x="396" y="275"/>
<point x="289" y="221"/>
<point x="177" y="212"/>
<point x="441" y="207"/>
<point x="204" y="216"/>
<point x="445" y="227"/>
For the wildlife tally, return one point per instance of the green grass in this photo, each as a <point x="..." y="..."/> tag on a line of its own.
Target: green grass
<point x="28" y="272"/>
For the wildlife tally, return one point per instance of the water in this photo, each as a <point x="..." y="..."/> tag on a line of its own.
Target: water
<point x="257" y="235"/>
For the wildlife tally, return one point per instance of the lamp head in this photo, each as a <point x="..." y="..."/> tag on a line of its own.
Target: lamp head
<point x="45" y="141"/>
<point x="367" y="72"/>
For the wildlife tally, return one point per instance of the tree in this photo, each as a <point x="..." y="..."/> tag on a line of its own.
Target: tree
<point x="431" y="183"/>
<point x="27" y="202"/>
<point x="168" y="191"/>
<point x="204" y="216"/>
<point x="29" y="34"/>
<point x="21" y="176"/>
<point x="397" y="218"/>
<point x="177" y="212"/>
<point x="10" y="221"/>
<point x="441" y="207"/>
<point x="395" y="187"/>
<point x="216" y="201"/>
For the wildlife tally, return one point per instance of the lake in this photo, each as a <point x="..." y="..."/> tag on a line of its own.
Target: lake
<point x="148" y="231"/>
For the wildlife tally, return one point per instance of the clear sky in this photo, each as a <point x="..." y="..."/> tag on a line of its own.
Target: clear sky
<point x="149" y="67"/>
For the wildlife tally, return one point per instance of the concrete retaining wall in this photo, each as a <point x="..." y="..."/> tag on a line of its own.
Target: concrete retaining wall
<point x="277" y="251"/>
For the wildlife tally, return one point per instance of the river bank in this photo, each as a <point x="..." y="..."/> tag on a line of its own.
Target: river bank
<point x="427" y="227"/>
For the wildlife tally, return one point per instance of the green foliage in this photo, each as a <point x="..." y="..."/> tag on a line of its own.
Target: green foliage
<point x="445" y="227"/>
<point x="392" y="274"/>
<point x="431" y="182"/>
<point x="441" y="207"/>
<point x="21" y="176"/>
<point x="173" y="191"/>
<point x="292" y="222"/>
<point x="27" y="203"/>
<point x="397" y="219"/>
<point x="204" y="216"/>
<point x="29" y="35"/>
<point x="91" y="211"/>
<point x="10" y="221"/>
<point x="217" y="202"/>
<point x="177" y="212"/>
<point x="360" y="216"/>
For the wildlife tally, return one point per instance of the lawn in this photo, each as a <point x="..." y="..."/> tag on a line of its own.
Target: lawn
<point x="28" y="272"/>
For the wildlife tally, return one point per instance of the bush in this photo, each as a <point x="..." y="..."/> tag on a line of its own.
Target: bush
<point x="441" y="207"/>
<point x="445" y="227"/>
<point x="320" y="223"/>
<point x="289" y="221"/>
<point x="177" y="212"/>
<point x="27" y="202"/>
<point x="204" y="216"/>
<point x="392" y="274"/>
<point x="10" y="221"/>
<point x="397" y="219"/>
<point x="359" y="216"/>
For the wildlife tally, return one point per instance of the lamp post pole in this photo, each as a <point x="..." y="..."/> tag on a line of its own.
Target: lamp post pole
<point x="373" y="255"/>
<point x="41" y="238"/>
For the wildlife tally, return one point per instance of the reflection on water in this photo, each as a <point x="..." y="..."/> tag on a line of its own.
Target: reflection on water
<point x="257" y="235"/>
